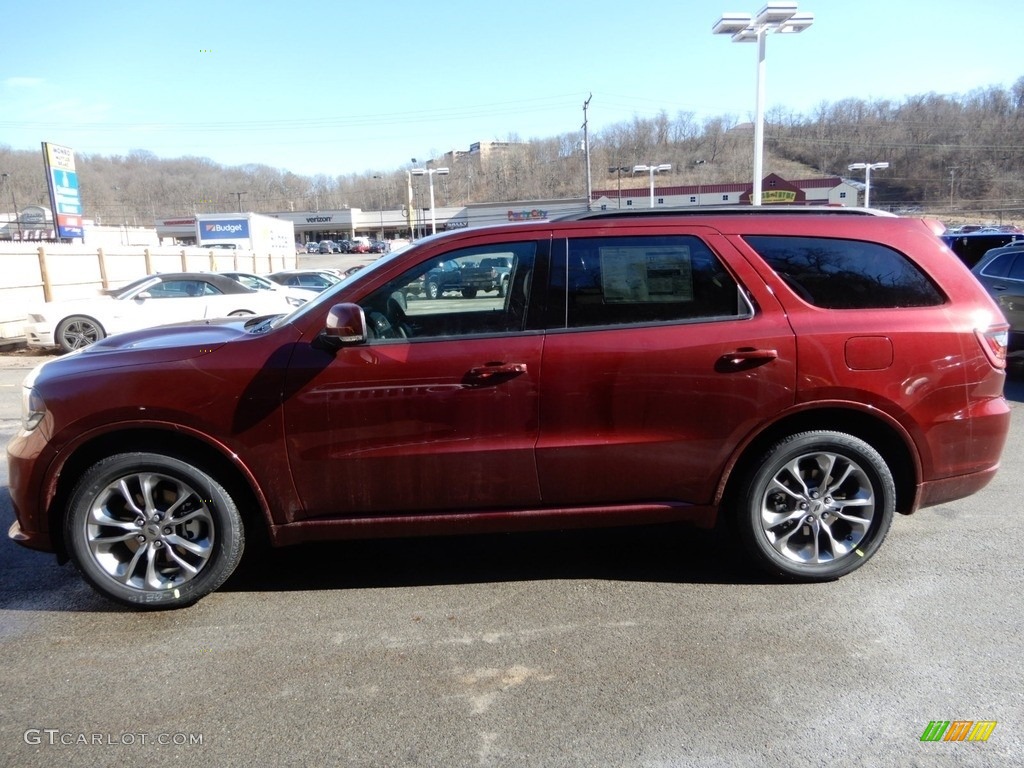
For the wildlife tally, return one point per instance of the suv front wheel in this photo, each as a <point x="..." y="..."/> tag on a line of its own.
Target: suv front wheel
<point x="153" y="531"/>
<point x="816" y="506"/>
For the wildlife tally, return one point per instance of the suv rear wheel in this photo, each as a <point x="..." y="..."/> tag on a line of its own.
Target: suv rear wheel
<point x="816" y="506"/>
<point x="152" y="531"/>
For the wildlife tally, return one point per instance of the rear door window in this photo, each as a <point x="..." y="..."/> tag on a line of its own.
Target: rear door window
<point x="1017" y="270"/>
<point x="999" y="266"/>
<point x="638" y="280"/>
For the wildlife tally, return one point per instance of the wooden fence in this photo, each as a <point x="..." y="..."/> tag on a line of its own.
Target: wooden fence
<point x="31" y="274"/>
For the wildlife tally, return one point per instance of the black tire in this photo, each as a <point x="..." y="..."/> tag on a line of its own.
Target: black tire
<point x="176" y="539"/>
<point x="816" y="506"/>
<point x="503" y="288"/>
<point x="78" y="331"/>
<point x="433" y="290"/>
<point x="469" y="293"/>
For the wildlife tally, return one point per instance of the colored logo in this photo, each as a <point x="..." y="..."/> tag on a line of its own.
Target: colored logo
<point x="223" y="229"/>
<point x="531" y="215"/>
<point x="958" y="730"/>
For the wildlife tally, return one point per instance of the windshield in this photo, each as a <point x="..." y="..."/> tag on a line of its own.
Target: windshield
<point x="126" y="291"/>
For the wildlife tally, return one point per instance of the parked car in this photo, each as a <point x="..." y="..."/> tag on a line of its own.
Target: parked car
<point x="444" y="277"/>
<point x="312" y="247"/>
<point x="352" y="270"/>
<point x="295" y="295"/>
<point x="797" y="374"/>
<point x="495" y="272"/>
<point x="329" y="246"/>
<point x="154" y="300"/>
<point x="972" y="246"/>
<point x="1001" y="272"/>
<point x="319" y="279"/>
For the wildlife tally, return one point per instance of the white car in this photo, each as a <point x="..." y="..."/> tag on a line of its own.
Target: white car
<point x="149" y="301"/>
<point x="297" y="295"/>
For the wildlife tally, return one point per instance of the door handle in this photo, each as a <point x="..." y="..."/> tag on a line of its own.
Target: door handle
<point x="741" y="359"/>
<point x="493" y="373"/>
<point x="493" y="370"/>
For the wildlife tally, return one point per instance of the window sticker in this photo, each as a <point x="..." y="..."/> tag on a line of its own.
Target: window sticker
<point x="646" y="274"/>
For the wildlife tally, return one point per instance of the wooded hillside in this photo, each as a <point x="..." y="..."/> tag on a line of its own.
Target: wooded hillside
<point x="961" y="155"/>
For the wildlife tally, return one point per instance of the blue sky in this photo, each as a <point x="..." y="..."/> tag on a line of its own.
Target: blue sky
<point x="317" y="86"/>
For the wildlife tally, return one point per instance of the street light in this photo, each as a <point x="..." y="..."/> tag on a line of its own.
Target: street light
<point x="867" y="168"/>
<point x="697" y="164"/>
<point x="777" y="16"/>
<point x="124" y="214"/>
<point x="408" y="210"/>
<point x="430" y="175"/>
<point x="617" y="170"/>
<point x="14" y="203"/>
<point x="378" y="176"/>
<point x="653" y="169"/>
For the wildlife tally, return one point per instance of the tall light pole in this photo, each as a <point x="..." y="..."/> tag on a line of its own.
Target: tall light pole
<point x="408" y="210"/>
<point x="430" y="175"/>
<point x="617" y="170"/>
<point x="653" y="169"/>
<point x="381" y="204"/>
<point x="697" y="164"/>
<point x="124" y="214"/>
<point x="777" y="16"/>
<point x="867" y="168"/>
<point x="14" y="203"/>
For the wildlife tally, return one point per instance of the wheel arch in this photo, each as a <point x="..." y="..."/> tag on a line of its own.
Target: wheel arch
<point x="885" y="436"/>
<point x="185" y="447"/>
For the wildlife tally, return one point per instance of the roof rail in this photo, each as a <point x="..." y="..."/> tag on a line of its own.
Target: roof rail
<point x="725" y="210"/>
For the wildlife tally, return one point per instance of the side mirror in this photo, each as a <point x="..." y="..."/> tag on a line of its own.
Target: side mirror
<point x="346" y="324"/>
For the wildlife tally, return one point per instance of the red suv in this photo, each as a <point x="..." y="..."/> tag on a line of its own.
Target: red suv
<point x="802" y="374"/>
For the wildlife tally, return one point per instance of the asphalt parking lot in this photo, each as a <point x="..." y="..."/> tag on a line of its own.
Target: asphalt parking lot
<point x="640" y="647"/>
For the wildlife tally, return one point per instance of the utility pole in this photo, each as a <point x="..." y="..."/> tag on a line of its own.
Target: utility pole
<point x="239" y="196"/>
<point x="586" y="148"/>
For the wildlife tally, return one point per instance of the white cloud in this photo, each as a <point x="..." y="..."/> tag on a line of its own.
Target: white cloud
<point x="24" y="82"/>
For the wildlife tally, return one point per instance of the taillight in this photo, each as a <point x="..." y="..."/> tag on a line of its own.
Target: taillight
<point x="993" y="340"/>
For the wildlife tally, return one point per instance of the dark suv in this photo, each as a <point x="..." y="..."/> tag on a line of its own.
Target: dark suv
<point x="798" y="374"/>
<point x="1001" y="272"/>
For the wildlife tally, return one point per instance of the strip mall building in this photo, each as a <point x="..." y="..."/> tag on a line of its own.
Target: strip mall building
<point x="313" y="226"/>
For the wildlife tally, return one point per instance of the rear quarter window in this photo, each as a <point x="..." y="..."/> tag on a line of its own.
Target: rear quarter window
<point x="846" y="274"/>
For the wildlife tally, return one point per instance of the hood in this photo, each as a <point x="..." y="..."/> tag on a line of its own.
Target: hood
<point x="193" y="338"/>
<point x="163" y="344"/>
